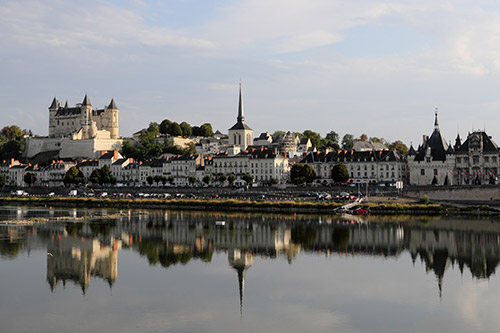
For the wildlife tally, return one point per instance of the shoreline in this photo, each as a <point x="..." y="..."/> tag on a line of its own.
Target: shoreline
<point x="302" y="207"/>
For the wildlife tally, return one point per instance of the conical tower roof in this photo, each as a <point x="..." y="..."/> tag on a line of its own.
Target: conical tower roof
<point x="86" y="101"/>
<point x="112" y="105"/>
<point x="54" y="104"/>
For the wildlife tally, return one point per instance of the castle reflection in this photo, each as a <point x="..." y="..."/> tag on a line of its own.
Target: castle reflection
<point x="78" y="251"/>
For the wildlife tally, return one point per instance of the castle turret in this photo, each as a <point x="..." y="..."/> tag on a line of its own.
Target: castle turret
<point x="52" y="116"/>
<point x="86" y="114"/>
<point x="113" y="109"/>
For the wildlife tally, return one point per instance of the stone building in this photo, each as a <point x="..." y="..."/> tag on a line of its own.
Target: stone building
<point x="433" y="158"/>
<point x="83" y="121"/>
<point x="477" y="159"/>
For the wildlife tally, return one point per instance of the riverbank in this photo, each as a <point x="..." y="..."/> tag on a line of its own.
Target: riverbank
<point x="385" y="206"/>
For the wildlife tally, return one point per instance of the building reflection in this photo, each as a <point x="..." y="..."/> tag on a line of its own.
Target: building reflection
<point x="79" y="251"/>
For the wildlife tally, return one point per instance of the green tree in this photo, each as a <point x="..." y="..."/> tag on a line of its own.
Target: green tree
<point x="175" y="129"/>
<point x="277" y="134"/>
<point x="74" y="176"/>
<point x="196" y="131"/>
<point x="150" y="180"/>
<point x="435" y="180"/>
<point x="187" y="130"/>
<point x="274" y="181"/>
<point x="330" y="141"/>
<point x="154" y="128"/>
<point x="247" y="178"/>
<point x="165" y="126"/>
<point x="399" y="146"/>
<point x="163" y="180"/>
<point x="206" y="130"/>
<point x="347" y="142"/>
<point x="207" y="179"/>
<point x="340" y="173"/>
<point x="314" y="137"/>
<point x="192" y="180"/>
<point x="302" y="173"/>
<point x="222" y="178"/>
<point x="231" y="179"/>
<point x="171" y="180"/>
<point x="3" y="179"/>
<point x="29" y="178"/>
<point x="157" y="179"/>
<point x="102" y="176"/>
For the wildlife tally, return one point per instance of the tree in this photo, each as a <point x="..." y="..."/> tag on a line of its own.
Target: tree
<point x="277" y="134"/>
<point x="171" y="180"/>
<point x="207" y="179"/>
<point x="222" y="178"/>
<point x="399" y="146"/>
<point x="102" y="176"/>
<point x="340" y="173"/>
<point x="206" y="130"/>
<point x="186" y="129"/>
<point x="435" y="180"/>
<point x="363" y="137"/>
<point x="274" y="181"/>
<point x="157" y="179"/>
<point x="74" y="176"/>
<point x="165" y="126"/>
<point x="3" y="179"/>
<point x="347" y="142"/>
<point x="175" y="129"/>
<point x="150" y="180"/>
<point x="192" y="180"/>
<point x="330" y="141"/>
<point x="196" y="131"/>
<point x="247" y="178"/>
<point x="29" y="178"/>
<point x="154" y="128"/>
<point x="314" y="137"/>
<point x="231" y="178"/>
<point x="302" y="173"/>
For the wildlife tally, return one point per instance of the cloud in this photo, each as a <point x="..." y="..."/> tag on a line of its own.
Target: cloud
<point x="62" y="24"/>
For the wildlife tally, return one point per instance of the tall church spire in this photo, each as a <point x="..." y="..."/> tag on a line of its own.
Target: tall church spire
<point x="436" y="123"/>
<point x="241" y="118"/>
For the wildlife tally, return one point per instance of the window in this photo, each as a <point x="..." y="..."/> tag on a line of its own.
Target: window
<point x="435" y="172"/>
<point x="428" y="159"/>
<point x="486" y="159"/>
<point x="422" y="172"/>
<point x="459" y="160"/>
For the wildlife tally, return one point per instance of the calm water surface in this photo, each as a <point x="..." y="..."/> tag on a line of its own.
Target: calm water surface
<point x="168" y="271"/>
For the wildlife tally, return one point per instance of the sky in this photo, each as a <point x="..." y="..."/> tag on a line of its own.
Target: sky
<point x="379" y="67"/>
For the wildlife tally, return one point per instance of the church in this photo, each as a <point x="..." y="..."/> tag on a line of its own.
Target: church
<point x="240" y="135"/>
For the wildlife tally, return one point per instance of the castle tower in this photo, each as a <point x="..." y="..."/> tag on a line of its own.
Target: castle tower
<point x="52" y="117"/>
<point x="113" y="117"/>
<point x="86" y="120"/>
<point x="240" y="134"/>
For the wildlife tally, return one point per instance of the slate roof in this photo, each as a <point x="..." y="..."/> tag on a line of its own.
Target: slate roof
<point x="352" y="156"/>
<point x="489" y="146"/>
<point x="240" y="120"/>
<point x="437" y="144"/>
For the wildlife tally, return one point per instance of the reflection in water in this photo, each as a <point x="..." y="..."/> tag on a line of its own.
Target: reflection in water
<point x="77" y="251"/>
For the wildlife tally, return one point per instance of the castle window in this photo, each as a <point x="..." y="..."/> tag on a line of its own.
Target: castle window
<point x="422" y="172"/>
<point x="459" y="160"/>
<point x="428" y="159"/>
<point x="486" y="159"/>
<point x="435" y="172"/>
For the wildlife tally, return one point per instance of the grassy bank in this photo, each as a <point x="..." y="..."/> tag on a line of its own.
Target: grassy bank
<point x="320" y="207"/>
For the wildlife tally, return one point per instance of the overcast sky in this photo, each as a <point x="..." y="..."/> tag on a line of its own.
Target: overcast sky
<point x="374" y="67"/>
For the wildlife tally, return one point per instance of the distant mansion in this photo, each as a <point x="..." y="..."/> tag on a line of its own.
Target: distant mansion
<point x="76" y="132"/>
<point x="475" y="161"/>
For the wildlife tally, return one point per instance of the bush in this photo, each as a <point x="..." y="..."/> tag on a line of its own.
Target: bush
<point x="425" y="199"/>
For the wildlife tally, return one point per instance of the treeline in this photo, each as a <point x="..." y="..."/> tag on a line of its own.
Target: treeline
<point x="149" y="147"/>
<point x="184" y="129"/>
<point x="331" y="140"/>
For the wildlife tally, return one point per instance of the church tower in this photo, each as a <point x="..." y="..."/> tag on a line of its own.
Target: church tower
<point x="240" y="134"/>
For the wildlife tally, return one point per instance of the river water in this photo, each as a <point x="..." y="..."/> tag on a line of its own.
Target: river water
<point x="171" y="271"/>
